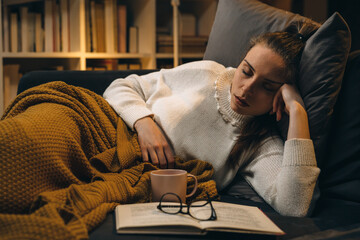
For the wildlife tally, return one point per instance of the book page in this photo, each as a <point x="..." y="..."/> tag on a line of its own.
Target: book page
<point x="247" y="218"/>
<point x="147" y="215"/>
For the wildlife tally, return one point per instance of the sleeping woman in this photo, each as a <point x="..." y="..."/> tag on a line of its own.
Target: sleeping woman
<point x="226" y="116"/>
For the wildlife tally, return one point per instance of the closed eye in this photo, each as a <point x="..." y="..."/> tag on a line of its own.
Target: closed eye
<point x="270" y="87"/>
<point x="246" y="73"/>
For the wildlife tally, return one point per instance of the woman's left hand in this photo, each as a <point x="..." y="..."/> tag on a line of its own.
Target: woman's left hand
<point x="286" y="99"/>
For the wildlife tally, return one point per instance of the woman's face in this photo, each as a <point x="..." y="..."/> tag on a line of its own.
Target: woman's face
<point x="257" y="79"/>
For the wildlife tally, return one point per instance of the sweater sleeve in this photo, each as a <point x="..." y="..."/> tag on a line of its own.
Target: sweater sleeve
<point x="285" y="175"/>
<point x="135" y="97"/>
<point x="128" y="96"/>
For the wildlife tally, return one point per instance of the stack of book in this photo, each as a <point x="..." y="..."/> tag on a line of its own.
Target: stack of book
<point x="36" y="26"/>
<point x="188" y="44"/>
<point x="106" y="26"/>
<point x="53" y="26"/>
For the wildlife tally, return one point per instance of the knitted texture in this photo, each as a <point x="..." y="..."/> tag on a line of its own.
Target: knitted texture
<point x="66" y="160"/>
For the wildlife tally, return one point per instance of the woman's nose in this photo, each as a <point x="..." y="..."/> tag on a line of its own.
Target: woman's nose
<point x="249" y="86"/>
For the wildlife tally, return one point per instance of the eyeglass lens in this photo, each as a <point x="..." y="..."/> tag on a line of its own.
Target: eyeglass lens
<point x="201" y="210"/>
<point x="167" y="207"/>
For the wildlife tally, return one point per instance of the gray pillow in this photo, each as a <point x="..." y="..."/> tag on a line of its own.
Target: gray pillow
<point x="322" y="64"/>
<point x="236" y="22"/>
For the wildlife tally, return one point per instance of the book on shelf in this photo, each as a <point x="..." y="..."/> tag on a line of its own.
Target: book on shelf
<point x="87" y="26"/>
<point x="145" y="218"/>
<point x="110" y="25"/>
<point x="14" y="32"/>
<point x="64" y="25"/>
<point x="93" y="30"/>
<point x="122" y="27"/>
<point x="24" y="29"/>
<point x="31" y="32"/>
<point x="39" y="37"/>
<point x="56" y="27"/>
<point x="6" y="29"/>
<point x="48" y="25"/>
<point x="100" y="26"/>
<point x="133" y="40"/>
<point x="188" y="44"/>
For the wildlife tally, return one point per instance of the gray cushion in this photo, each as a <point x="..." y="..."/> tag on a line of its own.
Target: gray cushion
<point x="322" y="64"/>
<point x="236" y="22"/>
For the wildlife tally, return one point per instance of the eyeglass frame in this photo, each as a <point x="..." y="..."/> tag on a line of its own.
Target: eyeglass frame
<point x="213" y="216"/>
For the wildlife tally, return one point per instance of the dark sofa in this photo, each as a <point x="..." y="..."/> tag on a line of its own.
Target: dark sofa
<point x="336" y="214"/>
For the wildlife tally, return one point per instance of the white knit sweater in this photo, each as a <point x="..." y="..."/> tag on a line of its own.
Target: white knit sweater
<point x="191" y="104"/>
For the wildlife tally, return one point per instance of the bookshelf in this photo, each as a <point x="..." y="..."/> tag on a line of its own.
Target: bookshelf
<point x="98" y="35"/>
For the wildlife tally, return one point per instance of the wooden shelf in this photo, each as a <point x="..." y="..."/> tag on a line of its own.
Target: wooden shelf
<point x="42" y="55"/>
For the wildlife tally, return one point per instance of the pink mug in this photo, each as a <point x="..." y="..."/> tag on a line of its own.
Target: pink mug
<point x="170" y="180"/>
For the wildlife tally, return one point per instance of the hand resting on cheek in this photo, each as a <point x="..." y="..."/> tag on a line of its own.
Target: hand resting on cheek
<point x="288" y="100"/>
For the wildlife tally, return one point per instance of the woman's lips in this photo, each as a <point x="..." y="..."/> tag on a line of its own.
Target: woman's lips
<point x="241" y="101"/>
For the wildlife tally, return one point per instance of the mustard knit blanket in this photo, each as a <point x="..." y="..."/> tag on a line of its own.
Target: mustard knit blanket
<point x="66" y="160"/>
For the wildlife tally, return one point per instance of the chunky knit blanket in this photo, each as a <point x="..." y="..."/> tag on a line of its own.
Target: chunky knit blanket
<point x="66" y="160"/>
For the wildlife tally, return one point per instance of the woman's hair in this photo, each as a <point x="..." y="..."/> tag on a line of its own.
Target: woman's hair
<point x="289" y="44"/>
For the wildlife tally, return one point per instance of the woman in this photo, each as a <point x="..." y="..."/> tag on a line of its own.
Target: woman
<point x="221" y="115"/>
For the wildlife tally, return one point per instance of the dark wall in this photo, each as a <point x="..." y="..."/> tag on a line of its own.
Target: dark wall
<point x="350" y="10"/>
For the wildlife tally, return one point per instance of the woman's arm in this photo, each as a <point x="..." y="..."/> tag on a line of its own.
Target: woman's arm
<point x="128" y="97"/>
<point x="288" y="100"/>
<point x="285" y="176"/>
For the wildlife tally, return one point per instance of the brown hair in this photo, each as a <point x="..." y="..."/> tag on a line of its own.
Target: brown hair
<point x="289" y="44"/>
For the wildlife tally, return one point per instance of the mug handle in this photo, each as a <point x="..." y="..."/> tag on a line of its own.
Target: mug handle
<point x="195" y="187"/>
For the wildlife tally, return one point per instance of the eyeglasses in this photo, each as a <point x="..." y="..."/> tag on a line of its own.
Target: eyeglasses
<point x="200" y="210"/>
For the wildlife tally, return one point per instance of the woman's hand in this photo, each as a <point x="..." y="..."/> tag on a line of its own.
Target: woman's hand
<point x="288" y="100"/>
<point x="153" y="143"/>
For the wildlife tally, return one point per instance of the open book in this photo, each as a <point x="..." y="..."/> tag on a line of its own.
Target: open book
<point x="145" y="218"/>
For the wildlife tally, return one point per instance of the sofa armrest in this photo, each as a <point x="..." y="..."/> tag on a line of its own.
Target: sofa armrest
<point x="96" y="81"/>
